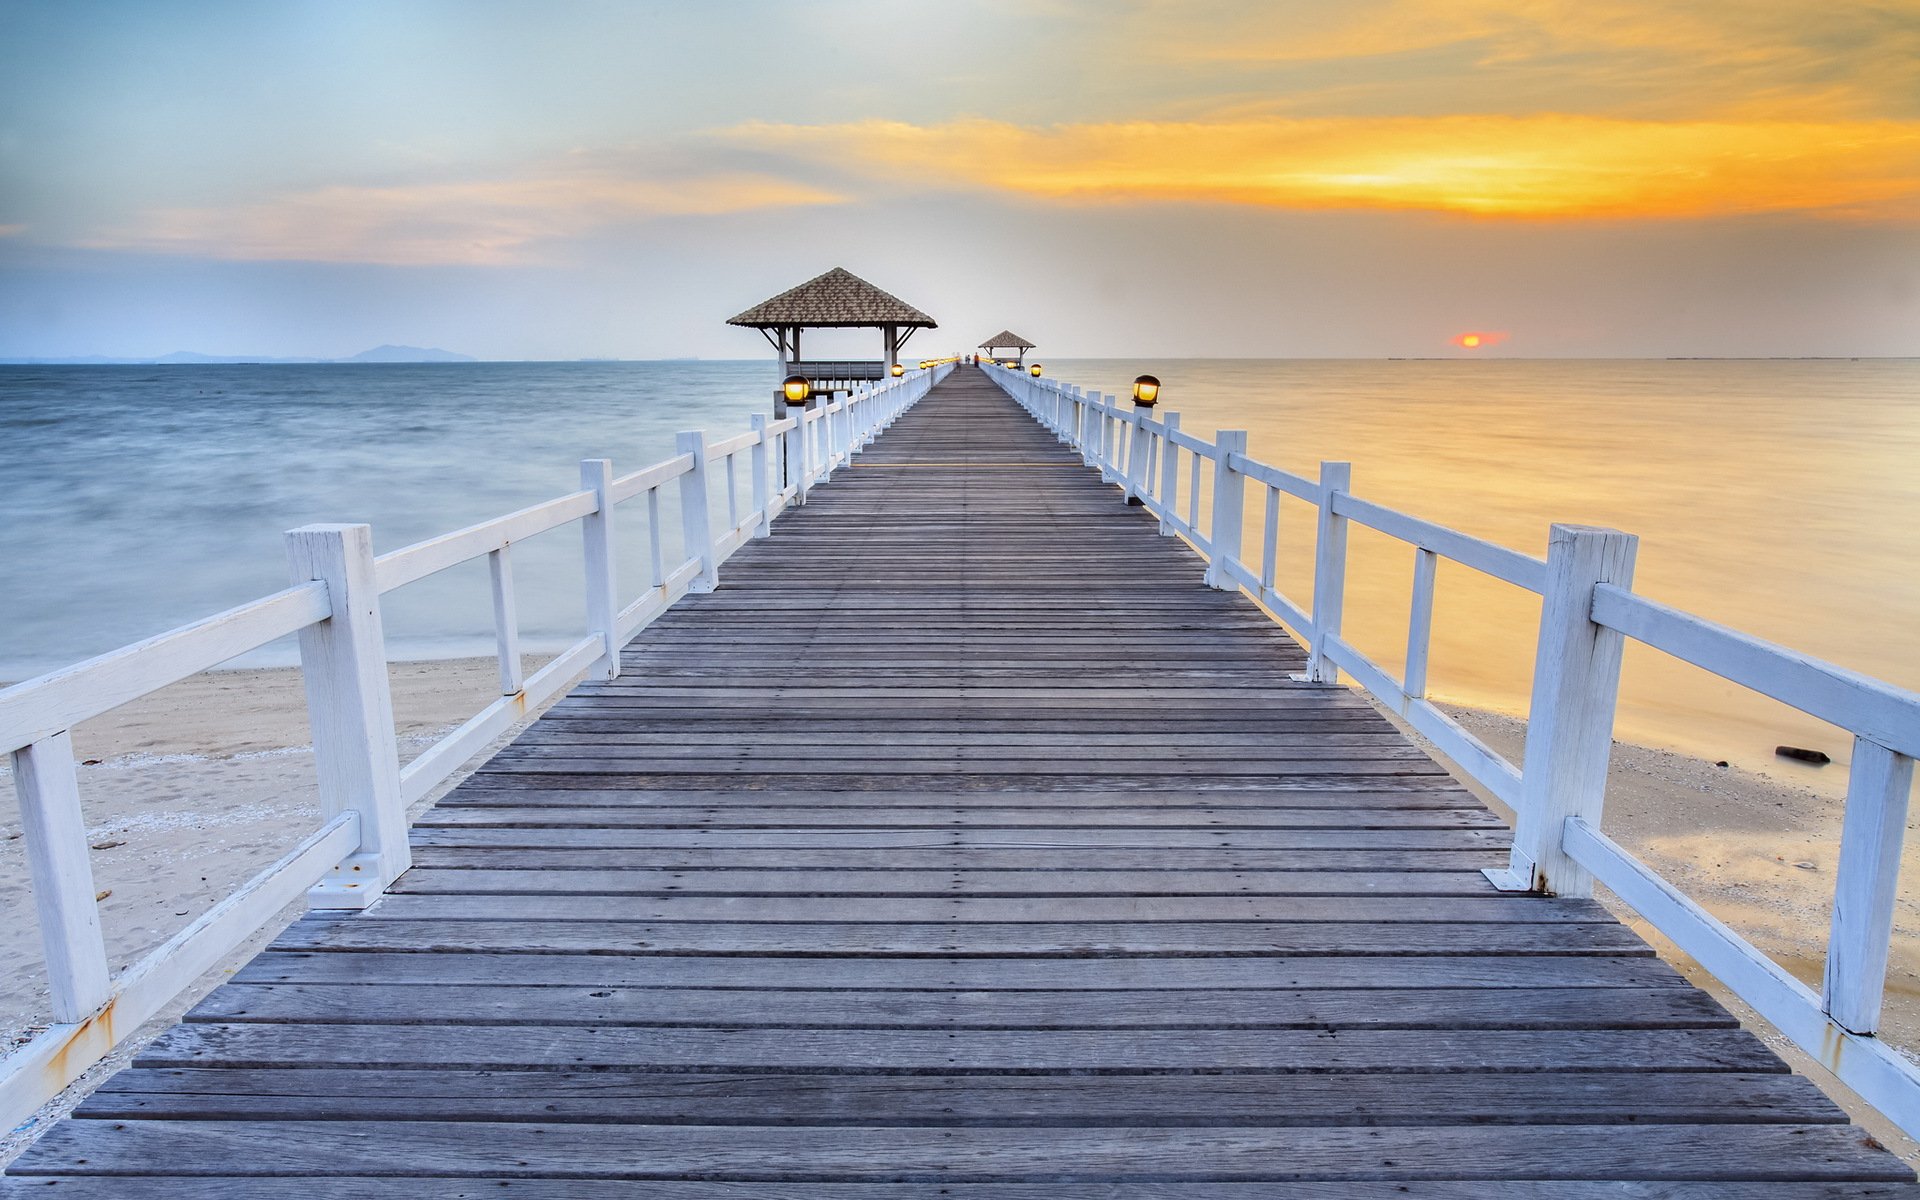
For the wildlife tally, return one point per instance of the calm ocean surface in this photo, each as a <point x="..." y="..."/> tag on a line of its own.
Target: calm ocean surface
<point x="1779" y="497"/>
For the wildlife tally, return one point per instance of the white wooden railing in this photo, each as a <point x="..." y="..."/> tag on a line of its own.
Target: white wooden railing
<point x="333" y="605"/>
<point x="1588" y="610"/>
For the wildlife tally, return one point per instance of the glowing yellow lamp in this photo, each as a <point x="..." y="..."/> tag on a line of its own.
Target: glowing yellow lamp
<point x="898" y="370"/>
<point x="1034" y="370"/>
<point x="1146" y="390"/>
<point x="796" y="389"/>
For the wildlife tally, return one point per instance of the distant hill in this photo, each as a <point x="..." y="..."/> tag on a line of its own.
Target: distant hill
<point x="407" y="354"/>
<point x="379" y="354"/>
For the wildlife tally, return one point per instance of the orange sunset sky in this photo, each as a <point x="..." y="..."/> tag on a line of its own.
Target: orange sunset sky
<point x="1610" y="177"/>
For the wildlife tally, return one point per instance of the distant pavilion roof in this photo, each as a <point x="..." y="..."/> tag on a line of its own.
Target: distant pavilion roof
<point x="837" y="300"/>
<point x="1006" y="340"/>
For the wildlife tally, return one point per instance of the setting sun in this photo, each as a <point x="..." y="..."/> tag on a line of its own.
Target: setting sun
<point x="1470" y="340"/>
<point x="1477" y="339"/>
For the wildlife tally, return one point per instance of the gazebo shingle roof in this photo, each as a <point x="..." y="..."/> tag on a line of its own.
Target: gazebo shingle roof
<point x="1006" y="340"/>
<point x="837" y="299"/>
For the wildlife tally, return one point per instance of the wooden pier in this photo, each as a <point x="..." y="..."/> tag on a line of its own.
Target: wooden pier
<point x="962" y="843"/>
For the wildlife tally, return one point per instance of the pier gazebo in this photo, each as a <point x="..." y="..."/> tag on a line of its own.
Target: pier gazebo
<point x="1007" y="340"/>
<point x="838" y="299"/>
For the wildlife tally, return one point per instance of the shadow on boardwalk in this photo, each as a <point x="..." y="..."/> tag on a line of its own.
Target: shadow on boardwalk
<point x="961" y="836"/>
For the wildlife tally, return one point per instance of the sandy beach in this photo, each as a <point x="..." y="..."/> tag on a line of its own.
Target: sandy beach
<point x="191" y="790"/>
<point x="188" y="793"/>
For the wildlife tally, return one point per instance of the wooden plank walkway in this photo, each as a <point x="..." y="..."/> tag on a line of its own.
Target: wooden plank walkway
<point x="962" y="838"/>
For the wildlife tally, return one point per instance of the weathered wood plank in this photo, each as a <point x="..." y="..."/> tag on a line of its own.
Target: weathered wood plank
<point x="828" y="1154"/>
<point x="1166" y="938"/>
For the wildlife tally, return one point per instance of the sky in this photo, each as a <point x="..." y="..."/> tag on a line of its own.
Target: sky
<point x="1125" y="178"/>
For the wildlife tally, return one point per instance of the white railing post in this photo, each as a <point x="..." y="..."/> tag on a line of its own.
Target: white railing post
<point x="61" y="871"/>
<point x="695" y="524"/>
<point x="1866" y="885"/>
<point x="343" y="662"/>
<point x="1139" y="456"/>
<point x="1229" y="498"/>
<point x="506" y="621"/>
<point x="1169" y="490"/>
<point x="1089" y="427"/>
<point x="1420" y="623"/>
<point x="1329" y="571"/>
<point x="761" y="465"/>
<point x="1576" y="680"/>
<point x="799" y="458"/>
<point x="603" y="591"/>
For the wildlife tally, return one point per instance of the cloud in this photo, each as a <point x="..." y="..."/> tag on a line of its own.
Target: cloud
<point x="475" y="222"/>
<point x="12" y="230"/>
<point x="1702" y="58"/>
<point x="1549" y="166"/>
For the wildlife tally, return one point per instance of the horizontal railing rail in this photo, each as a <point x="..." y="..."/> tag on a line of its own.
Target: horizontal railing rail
<point x="1588" y="611"/>
<point x="334" y="606"/>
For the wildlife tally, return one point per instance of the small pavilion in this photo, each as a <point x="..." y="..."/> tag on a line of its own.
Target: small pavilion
<point x="838" y="299"/>
<point x="1007" y="340"/>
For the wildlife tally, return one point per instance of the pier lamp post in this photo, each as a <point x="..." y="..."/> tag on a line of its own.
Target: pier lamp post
<point x="1146" y="391"/>
<point x="1034" y="370"/>
<point x="795" y="389"/>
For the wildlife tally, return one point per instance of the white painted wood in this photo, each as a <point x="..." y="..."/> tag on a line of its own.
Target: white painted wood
<point x="1270" y="540"/>
<point x="1139" y="460"/>
<point x="1875" y="1070"/>
<point x="55" y="832"/>
<point x="626" y="487"/>
<point x="695" y="523"/>
<point x="1329" y="570"/>
<point x="1453" y="741"/>
<point x="62" y="699"/>
<point x="1576" y="681"/>
<point x="656" y="549"/>
<point x="1857" y="703"/>
<point x="603" y="587"/>
<point x="1193" y="495"/>
<point x="35" y="1073"/>
<point x="1521" y="570"/>
<point x="1289" y="613"/>
<point x="1866" y="885"/>
<point x="1273" y="477"/>
<point x="761" y="470"/>
<point x="1187" y="441"/>
<point x="416" y="562"/>
<point x="344" y="666"/>
<point x="732" y="488"/>
<point x="1420" y="621"/>
<point x="802" y="456"/>
<point x="1168" y="491"/>
<point x="1229" y="499"/>
<point x="452" y="752"/>
<point x="506" y="620"/>
<point x="727" y="447"/>
<point x="656" y="600"/>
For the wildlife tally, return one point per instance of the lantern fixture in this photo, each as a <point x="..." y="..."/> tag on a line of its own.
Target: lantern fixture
<point x="796" y="389"/>
<point x="1146" y="390"/>
<point x="1034" y="370"/>
<point x="898" y="370"/>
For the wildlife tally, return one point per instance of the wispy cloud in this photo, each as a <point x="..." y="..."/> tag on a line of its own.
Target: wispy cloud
<point x="1782" y="58"/>
<point x="12" y="230"/>
<point x="1523" y="166"/>
<point x="473" y="222"/>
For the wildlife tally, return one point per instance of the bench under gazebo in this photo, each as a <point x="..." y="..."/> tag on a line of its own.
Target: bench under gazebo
<point x="838" y="299"/>
<point x="1007" y="340"/>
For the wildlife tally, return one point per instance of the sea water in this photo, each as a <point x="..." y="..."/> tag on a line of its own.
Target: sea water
<point x="1779" y="497"/>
